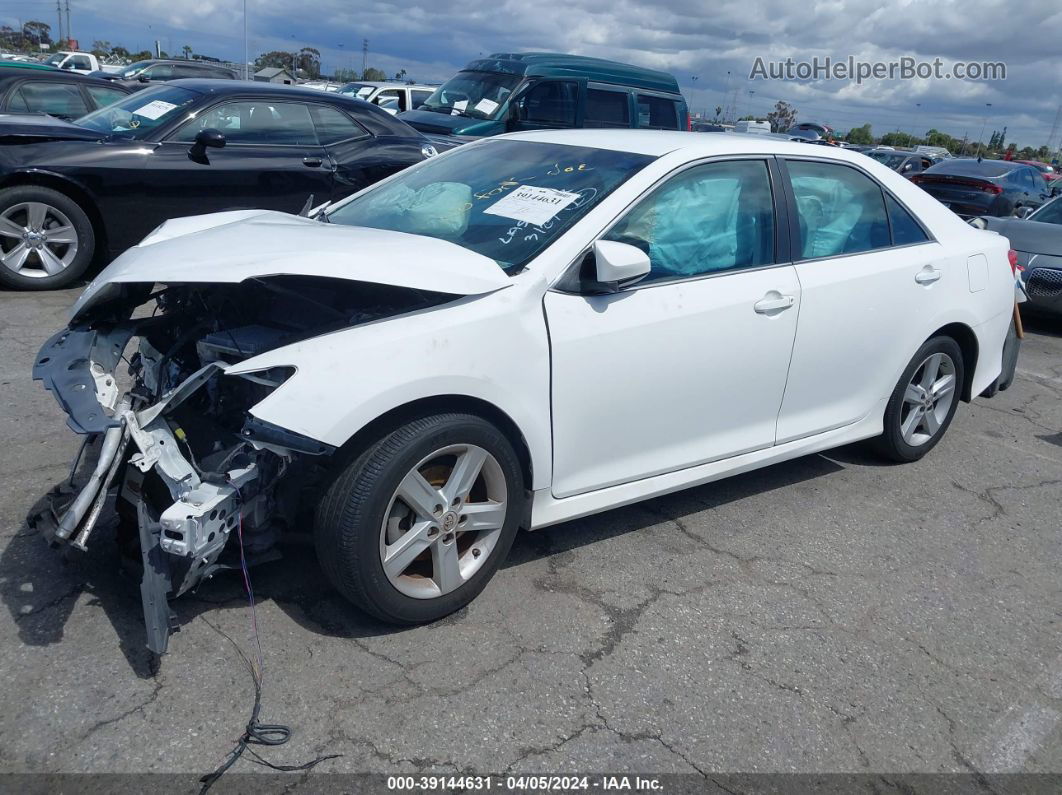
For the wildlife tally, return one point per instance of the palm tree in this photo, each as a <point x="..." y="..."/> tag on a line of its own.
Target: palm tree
<point x="187" y="52"/>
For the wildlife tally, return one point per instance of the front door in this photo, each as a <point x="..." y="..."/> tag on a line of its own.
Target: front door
<point x="271" y="160"/>
<point x="689" y="365"/>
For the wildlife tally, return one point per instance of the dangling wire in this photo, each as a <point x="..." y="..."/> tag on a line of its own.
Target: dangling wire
<point x="255" y="733"/>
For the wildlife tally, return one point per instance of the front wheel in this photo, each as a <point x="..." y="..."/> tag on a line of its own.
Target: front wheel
<point x="924" y="401"/>
<point x="46" y="239"/>
<point x="416" y="525"/>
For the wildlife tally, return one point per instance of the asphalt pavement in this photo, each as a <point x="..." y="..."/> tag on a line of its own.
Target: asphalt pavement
<point x="830" y="614"/>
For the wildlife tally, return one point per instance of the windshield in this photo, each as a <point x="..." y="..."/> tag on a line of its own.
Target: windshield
<point x="478" y="95"/>
<point x="1050" y="213"/>
<point x="139" y="114"/>
<point x="507" y="200"/>
<point x="359" y="90"/>
<point x="134" y="69"/>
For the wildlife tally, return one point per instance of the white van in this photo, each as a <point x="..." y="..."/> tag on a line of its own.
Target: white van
<point x="758" y="127"/>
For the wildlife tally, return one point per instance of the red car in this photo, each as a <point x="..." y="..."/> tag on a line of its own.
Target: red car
<point x="1049" y="172"/>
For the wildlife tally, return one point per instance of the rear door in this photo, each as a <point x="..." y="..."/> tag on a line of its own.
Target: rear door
<point x="356" y="157"/>
<point x="869" y="275"/>
<point x="271" y="160"/>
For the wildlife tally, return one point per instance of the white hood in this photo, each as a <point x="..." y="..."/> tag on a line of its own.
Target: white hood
<point x="234" y="246"/>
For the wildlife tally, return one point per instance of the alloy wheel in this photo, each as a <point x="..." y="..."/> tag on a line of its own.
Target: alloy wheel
<point x="443" y="521"/>
<point x="36" y="240"/>
<point x="928" y="399"/>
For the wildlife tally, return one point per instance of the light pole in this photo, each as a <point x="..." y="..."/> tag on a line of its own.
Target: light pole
<point x="246" y="51"/>
<point x="693" y="86"/>
<point x="984" y="121"/>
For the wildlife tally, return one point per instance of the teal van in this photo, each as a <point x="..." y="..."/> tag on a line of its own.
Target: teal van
<point x="507" y="92"/>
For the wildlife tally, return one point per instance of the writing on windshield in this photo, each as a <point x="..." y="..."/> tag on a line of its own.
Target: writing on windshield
<point x="478" y="95"/>
<point x="506" y="200"/>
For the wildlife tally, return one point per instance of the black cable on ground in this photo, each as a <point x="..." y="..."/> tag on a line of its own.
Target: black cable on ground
<point x="268" y="734"/>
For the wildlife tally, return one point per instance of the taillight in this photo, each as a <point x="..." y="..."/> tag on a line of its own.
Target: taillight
<point x="915" y="178"/>
<point x="689" y="123"/>
<point x="993" y="189"/>
<point x="1012" y="257"/>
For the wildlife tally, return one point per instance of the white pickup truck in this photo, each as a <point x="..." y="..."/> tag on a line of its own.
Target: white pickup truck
<point x="68" y="60"/>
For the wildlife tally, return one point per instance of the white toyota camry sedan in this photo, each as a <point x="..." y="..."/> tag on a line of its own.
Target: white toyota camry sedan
<point x="519" y="332"/>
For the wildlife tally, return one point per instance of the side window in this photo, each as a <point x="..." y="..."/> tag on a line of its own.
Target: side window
<point x="550" y="102"/>
<point x="255" y="122"/>
<point x="607" y="109"/>
<point x="80" y="62"/>
<point x="419" y="97"/>
<point x="162" y="71"/>
<point x="334" y="126"/>
<point x="840" y="210"/>
<point x="657" y="113"/>
<point x="56" y="99"/>
<point x="180" y="70"/>
<point x="103" y="96"/>
<point x="905" y="229"/>
<point x="391" y="94"/>
<point x="715" y="217"/>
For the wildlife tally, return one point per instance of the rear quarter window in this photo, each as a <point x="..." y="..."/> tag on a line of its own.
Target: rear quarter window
<point x="657" y="113"/>
<point x="607" y="108"/>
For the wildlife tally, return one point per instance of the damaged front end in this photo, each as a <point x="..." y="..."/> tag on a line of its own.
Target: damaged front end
<point x="191" y="473"/>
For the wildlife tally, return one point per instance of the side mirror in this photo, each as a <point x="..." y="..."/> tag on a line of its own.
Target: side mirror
<point x="69" y="65"/>
<point x="142" y="78"/>
<point x="978" y="223"/>
<point x="1054" y="190"/>
<point x="1023" y="212"/>
<point x="617" y="264"/>
<point x="209" y="137"/>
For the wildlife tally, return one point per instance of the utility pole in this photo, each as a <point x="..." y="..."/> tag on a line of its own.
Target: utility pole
<point x="59" y="10"/>
<point x="246" y="64"/>
<point x="984" y="121"/>
<point x="364" y="55"/>
<point x="69" y="35"/>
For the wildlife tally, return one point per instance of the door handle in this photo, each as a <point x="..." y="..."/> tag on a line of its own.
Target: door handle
<point x="927" y="275"/>
<point x="312" y="162"/>
<point x="772" y="303"/>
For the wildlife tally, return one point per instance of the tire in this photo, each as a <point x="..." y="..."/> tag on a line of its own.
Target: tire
<point x="364" y="517"/>
<point x="32" y="263"/>
<point x="907" y="438"/>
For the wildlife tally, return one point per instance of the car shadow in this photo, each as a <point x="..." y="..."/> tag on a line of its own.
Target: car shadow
<point x="40" y="586"/>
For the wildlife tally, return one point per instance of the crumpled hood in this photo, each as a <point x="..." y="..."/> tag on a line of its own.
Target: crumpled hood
<point x="231" y="247"/>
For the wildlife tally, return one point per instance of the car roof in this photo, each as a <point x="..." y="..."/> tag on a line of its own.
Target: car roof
<point x="61" y="74"/>
<point x="657" y="143"/>
<point x="204" y="85"/>
<point x="386" y="84"/>
<point x="554" y="64"/>
<point x="33" y="67"/>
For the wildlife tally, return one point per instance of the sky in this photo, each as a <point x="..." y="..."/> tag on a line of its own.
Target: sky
<point x="707" y="47"/>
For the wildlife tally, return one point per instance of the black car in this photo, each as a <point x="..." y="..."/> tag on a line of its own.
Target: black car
<point x="70" y="193"/>
<point x="984" y="187"/>
<point x="1037" y="240"/>
<point x="142" y="73"/>
<point x="906" y="163"/>
<point x="65" y="95"/>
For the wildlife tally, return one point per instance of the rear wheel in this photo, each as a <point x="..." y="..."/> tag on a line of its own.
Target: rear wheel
<point x="416" y="525"/>
<point x="924" y="401"/>
<point x="46" y="239"/>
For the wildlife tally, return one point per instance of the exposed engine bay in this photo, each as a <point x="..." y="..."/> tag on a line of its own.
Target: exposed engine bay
<point x="196" y="479"/>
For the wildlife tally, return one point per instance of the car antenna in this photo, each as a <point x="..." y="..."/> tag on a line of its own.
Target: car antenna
<point x="305" y="211"/>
